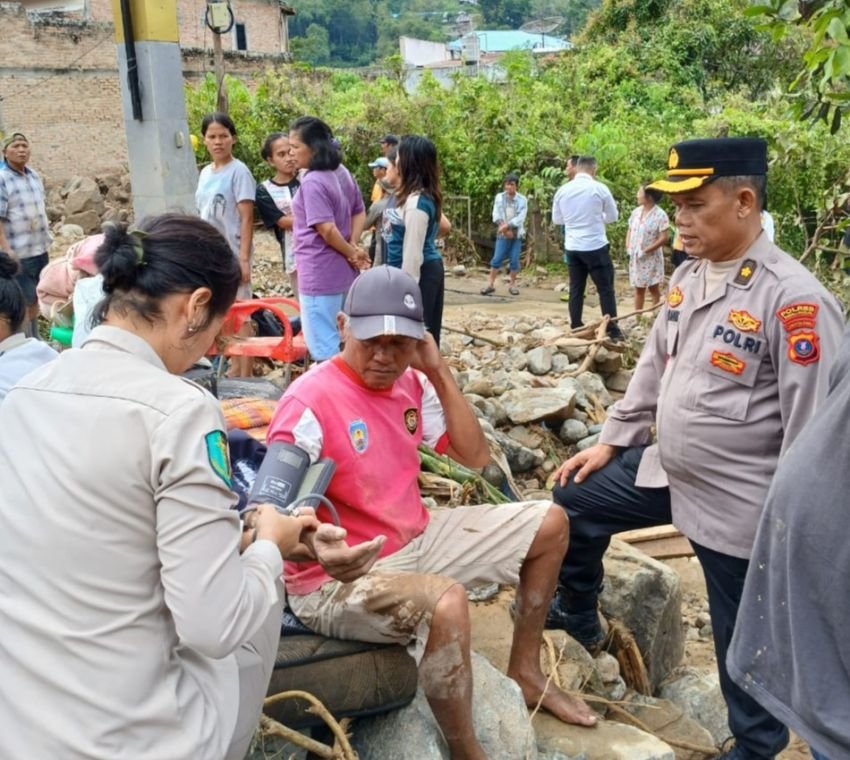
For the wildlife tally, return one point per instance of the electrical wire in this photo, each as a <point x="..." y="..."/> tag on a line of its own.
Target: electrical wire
<point x="215" y="29"/>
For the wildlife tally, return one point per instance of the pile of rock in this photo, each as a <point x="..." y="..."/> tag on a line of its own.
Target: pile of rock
<point x="533" y="389"/>
<point x="87" y="202"/>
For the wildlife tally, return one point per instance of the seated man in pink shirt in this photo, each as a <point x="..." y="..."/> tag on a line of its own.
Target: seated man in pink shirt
<point x="368" y="409"/>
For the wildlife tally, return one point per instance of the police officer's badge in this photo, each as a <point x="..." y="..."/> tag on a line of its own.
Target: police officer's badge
<point x="411" y="419"/>
<point x="359" y="435"/>
<point x="675" y="297"/>
<point x="219" y="455"/>
<point x="803" y="347"/>
<point x="744" y="321"/>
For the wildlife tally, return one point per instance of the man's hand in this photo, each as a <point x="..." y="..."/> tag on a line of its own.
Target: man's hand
<point x="360" y="260"/>
<point x="427" y="358"/>
<point x="245" y="269"/>
<point x="339" y="560"/>
<point x="291" y="534"/>
<point x="586" y="462"/>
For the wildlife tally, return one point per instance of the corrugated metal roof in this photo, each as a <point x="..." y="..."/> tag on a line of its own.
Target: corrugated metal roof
<point x="500" y="41"/>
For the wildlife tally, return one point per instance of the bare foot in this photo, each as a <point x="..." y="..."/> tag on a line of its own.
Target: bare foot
<point x="564" y="707"/>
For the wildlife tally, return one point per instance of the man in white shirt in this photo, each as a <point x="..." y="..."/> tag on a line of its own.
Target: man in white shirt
<point x="584" y="206"/>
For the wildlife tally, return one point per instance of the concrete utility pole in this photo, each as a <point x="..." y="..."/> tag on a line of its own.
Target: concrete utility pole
<point x="163" y="172"/>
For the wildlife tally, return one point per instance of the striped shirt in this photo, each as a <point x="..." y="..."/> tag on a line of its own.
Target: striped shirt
<point x="23" y="213"/>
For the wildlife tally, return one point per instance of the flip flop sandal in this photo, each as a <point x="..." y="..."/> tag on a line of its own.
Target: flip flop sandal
<point x="514" y="291"/>
<point x="489" y="290"/>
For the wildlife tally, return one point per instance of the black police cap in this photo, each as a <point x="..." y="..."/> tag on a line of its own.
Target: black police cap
<point x="692" y="163"/>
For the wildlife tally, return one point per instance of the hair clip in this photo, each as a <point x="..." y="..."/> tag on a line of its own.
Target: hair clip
<point x="136" y="236"/>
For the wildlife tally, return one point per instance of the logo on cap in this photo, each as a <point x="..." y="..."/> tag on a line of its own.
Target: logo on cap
<point x="673" y="159"/>
<point x="409" y="302"/>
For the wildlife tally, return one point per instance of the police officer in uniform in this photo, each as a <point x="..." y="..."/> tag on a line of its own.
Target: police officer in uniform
<point x="735" y="364"/>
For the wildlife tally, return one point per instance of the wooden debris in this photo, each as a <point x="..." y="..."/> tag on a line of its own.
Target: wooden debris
<point x="661" y="542"/>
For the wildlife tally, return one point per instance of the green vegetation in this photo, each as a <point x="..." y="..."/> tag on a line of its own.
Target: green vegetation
<point x="350" y="33"/>
<point x="644" y="74"/>
<point x="821" y="89"/>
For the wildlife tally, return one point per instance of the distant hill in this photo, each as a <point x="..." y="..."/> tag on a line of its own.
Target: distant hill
<point x="346" y="33"/>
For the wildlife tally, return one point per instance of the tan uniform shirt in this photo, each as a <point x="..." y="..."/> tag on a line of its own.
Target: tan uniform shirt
<point x="729" y="379"/>
<point x="122" y="591"/>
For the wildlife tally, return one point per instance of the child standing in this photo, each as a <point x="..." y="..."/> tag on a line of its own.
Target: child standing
<point x="274" y="199"/>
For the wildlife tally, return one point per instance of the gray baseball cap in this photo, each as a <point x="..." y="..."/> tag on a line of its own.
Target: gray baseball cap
<point x="385" y="301"/>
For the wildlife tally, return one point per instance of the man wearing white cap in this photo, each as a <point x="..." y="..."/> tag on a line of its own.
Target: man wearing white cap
<point x="368" y="409"/>
<point x="379" y="170"/>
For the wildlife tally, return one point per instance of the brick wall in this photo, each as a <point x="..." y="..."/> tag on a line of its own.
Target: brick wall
<point x="59" y="85"/>
<point x="262" y="21"/>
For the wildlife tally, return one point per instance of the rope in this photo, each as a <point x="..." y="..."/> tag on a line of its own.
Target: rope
<point x="317" y="708"/>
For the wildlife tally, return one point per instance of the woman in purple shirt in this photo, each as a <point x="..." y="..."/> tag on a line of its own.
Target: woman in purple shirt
<point x="328" y="216"/>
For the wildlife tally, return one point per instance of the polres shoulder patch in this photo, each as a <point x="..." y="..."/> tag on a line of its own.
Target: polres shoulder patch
<point x="218" y="454"/>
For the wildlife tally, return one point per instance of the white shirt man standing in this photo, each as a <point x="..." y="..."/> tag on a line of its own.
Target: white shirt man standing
<point x="585" y="206"/>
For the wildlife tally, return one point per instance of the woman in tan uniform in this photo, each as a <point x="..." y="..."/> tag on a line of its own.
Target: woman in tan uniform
<point x="131" y="626"/>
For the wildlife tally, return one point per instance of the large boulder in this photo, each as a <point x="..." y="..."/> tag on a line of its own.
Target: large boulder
<point x="533" y="404"/>
<point x="699" y="695"/>
<point x="89" y="220"/>
<point x="608" y="741"/>
<point x="499" y="715"/>
<point x="520" y="458"/>
<point x="592" y="384"/>
<point x="619" y="381"/>
<point x="645" y="595"/>
<point x="669" y="722"/>
<point x="83" y="195"/>
<point x="572" y="431"/>
<point x="539" y="360"/>
<point x="607" y="362"/>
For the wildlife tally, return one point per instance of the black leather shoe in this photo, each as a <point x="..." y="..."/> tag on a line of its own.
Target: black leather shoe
<point x="583" y="626"/>
<point x="739" y="753"/>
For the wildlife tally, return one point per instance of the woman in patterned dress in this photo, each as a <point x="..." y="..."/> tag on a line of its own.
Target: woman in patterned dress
<point x="648" y="232"/>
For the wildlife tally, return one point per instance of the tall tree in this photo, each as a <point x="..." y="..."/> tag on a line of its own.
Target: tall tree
<point x="821" y="88"/>
<point x="505" y="13"/>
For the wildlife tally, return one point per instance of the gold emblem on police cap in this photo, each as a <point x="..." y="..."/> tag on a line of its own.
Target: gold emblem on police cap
<point x="673" y="159"/>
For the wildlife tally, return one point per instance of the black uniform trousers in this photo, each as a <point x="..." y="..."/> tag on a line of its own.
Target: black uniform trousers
<point x="599" y="266"/>
<point x="609" y="502"/>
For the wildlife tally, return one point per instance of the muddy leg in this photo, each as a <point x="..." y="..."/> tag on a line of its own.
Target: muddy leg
<point x="446" y="674"/>
<point x="537" y="580"/>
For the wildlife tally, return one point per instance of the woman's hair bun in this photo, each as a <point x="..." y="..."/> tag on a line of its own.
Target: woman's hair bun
<point x="117" y="258"/>
<point x="8" y="266"/>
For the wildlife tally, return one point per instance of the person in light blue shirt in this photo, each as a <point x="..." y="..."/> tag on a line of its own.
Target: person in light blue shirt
<point x="509" y="211"/>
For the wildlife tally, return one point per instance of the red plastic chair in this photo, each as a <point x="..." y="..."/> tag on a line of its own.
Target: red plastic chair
<point x="287" y="348"/>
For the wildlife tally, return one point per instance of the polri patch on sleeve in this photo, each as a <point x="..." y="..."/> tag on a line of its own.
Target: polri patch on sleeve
<point x="746" y="272"/>
<point x="804" y="347"/>
<point x="798" y="316"/>
<point x="218" y="453"/>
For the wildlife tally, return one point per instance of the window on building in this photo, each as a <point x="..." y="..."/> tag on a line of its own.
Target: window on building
<point x="241" y="36"/>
